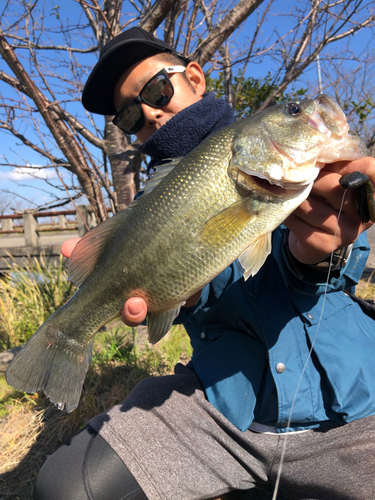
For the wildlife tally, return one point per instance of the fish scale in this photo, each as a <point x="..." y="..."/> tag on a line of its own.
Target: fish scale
<point x="198" y="214"/>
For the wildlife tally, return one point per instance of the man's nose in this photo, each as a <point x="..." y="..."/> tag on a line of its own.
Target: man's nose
<point x="151" y="114"/>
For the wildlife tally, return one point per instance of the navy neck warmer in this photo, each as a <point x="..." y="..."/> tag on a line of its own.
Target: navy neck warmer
<point x="188" y="129"/>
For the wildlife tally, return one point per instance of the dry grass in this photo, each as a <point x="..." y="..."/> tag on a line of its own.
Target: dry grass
<point x="366" y="287"/>
<point x="31" y="428"/>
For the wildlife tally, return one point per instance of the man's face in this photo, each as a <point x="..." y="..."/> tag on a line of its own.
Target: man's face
<point x="132" y="82"/>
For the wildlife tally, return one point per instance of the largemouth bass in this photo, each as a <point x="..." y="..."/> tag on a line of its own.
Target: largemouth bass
<point x="199" y="214"/>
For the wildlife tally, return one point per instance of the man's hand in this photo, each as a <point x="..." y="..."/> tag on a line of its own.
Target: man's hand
<point x="314" y="227"/>
<point x="68" y="246"/>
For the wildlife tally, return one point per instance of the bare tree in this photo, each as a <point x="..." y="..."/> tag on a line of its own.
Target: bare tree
<point x="49" y="57"/>
<point x="103" y="162"/>
<point x="354" y="89"/>
<point x="317" y="26"/>
<point x="9" y="203"/>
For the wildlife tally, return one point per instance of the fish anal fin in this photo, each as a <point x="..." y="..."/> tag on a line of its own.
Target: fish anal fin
<point x="253" y="258"/>
<point x="89" y="249"/>
<point x="228" y="223"/>
<point x="159" y="324"/>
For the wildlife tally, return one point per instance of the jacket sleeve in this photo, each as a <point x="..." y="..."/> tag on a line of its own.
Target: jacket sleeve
<point x="307" y="280"/>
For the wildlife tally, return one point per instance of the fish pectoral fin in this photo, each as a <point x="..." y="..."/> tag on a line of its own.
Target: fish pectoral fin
<point x="159" y="324"/>
<point x="253" y="258"/>
<point x="228" y="223"/>
<point x="86" y="254"/>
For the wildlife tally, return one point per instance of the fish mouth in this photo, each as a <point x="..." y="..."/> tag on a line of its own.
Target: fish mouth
<point x="317" y="122"/>
<point x="264" y="183"/>
<point x="277" y="188"/>
<point x="328" y="117"/>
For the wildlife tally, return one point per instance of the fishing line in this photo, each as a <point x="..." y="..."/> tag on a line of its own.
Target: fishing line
<point x="283" y="450"/>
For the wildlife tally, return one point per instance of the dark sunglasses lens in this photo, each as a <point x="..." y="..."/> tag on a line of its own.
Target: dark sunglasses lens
<point x="158" y="91"/>
<point x="130" y="119"/>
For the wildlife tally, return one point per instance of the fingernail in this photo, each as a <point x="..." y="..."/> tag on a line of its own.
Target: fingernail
<point x="135" y="308"/>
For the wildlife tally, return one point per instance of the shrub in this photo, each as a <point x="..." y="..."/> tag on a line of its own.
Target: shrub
<point x="27" y="297"/>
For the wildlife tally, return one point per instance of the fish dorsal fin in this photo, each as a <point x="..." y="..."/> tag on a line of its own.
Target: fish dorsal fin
<point x="159" y="324"/>
<point x="86" y="254"/>
<point x="253" y="258"/>
<point x="161" y="172"/>
<point x="228" y="223"/>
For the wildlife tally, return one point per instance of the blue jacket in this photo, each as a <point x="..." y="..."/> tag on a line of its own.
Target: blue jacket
<point x="244" y="333"/>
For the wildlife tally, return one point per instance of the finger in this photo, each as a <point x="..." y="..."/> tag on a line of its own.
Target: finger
<point x="328" y="189"/>
<point x="68" y="246"/>
<point x="321" y="216"/>
<point x="193" y="299"/>
<point x="310" y="234"/>
<point x="134" y="311"/>
<point x="365" y="165"/>
<point x="317" y="213"/>
<point x="311" y="244"/>
<point x="306" y="244"/>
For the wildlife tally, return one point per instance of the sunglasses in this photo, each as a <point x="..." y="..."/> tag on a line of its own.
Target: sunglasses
<point x="157" y="92"/>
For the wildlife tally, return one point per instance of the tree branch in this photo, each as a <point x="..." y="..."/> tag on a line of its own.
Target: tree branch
<point x="204" y="52"/>
<point x="156" y="14"/>
<point x="31" y="145"/>
<point x="38" y="46"/>
<point x="59" y="130"/>
<point x="61" y="113"/>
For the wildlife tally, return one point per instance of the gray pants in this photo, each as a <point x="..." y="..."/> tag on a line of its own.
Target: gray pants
<point x="179" y="447"/>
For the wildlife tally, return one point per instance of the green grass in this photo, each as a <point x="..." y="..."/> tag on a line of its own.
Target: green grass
<point x="27" y="297"/>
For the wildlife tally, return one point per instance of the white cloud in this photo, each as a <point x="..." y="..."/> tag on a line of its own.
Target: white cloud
<point x="24" y="173"/>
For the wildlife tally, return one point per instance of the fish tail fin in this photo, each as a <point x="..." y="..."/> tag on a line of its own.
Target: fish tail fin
<point x="47" y="362"/>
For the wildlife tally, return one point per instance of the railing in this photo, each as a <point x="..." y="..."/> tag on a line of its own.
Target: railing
<point x="31" y="229"/>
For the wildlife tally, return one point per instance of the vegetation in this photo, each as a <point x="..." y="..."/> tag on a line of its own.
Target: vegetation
<point x="366" y="287"/>
<point x="30" y="427"/>
<point x="27" y="297"/>
<point x="251" y="93"/>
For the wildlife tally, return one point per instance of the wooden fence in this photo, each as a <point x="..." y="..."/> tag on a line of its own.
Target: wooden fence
<point x="31" y="226"/>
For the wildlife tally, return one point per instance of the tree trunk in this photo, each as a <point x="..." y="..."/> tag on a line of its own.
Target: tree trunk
<point x="125" y="161"/>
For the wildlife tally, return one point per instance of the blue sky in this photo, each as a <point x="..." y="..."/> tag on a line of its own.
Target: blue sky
<point x="36" y="191"/>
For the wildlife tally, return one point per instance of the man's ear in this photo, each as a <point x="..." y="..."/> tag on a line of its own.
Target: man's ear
<point x="194" y="73"/>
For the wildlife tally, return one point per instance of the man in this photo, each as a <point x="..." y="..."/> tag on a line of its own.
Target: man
<point x="221" y="423"/>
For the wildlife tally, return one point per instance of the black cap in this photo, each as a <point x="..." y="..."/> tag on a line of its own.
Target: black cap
<point x="126" y="49"/>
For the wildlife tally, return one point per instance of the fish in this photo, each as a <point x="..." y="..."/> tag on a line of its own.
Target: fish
<point x="198" y="214"/>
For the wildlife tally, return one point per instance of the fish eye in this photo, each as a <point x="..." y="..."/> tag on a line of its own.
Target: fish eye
<point x="294" y="109"/>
